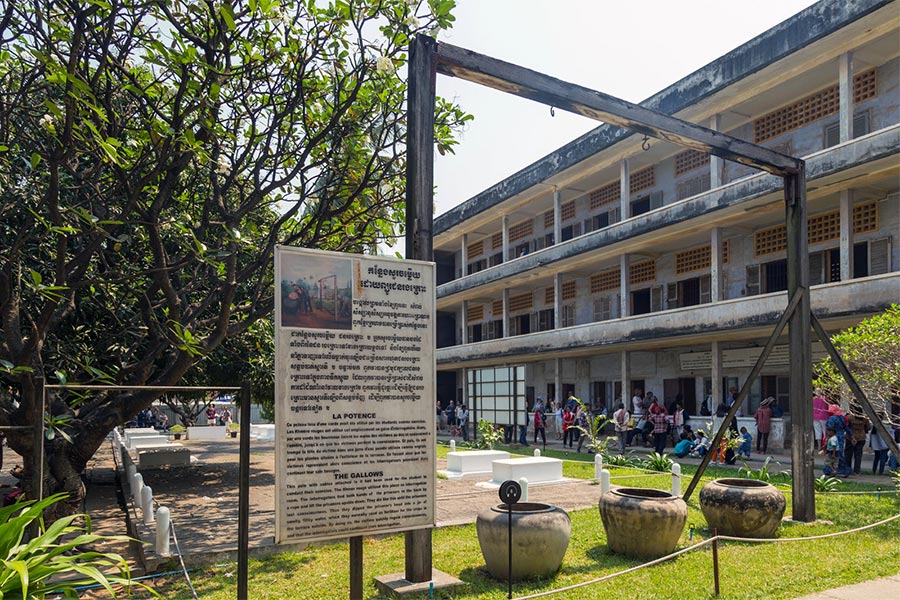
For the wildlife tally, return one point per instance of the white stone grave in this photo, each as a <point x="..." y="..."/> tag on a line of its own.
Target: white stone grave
<point x="209" y="432"/>
<point x="474" y="463"/>
<point x="536" y="469"/>
<point x="262" y="431"/>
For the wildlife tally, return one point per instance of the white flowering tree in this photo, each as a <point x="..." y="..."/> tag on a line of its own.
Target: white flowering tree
<point x="151" y="156"/>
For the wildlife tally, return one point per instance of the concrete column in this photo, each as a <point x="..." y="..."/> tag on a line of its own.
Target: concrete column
<point x="464" y="255"/>
<point x="625" y="188"/>
<point x="506" y="312"/>
<point x="715" y="163"/>
<point x="465" y="388"/>
<point x="464" y="317"/>
<point x="699" y="393"/>
<point x="626" y="379"/>
<point x="557" y="382"/>
<point x="717" y="269"/>
<point x="557" y="301"/>
<point x="505" y="238"/>
<point x="624" y="287"/>
<point x="846" y="235"/>
<point x="557" y="216"/>
<point x="716" y="376"/>
<point x="845" y="96"/>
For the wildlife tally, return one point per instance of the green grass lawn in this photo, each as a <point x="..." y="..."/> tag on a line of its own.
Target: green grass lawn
<point x="766" y="570"/>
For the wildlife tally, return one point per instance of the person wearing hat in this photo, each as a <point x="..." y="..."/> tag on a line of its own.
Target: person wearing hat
<point x="763" y="419"/>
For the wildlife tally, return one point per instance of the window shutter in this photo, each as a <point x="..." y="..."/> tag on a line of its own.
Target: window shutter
<point x="815" y="268"/>
<point x="880" y="256"/>
<point x="588" y="225"/>
<point x="534" y="322"/>
<point x="752" y="281"/>
<point x="576" y="229"/>
<point x="672" y="295"/>
<point x="832" y="135"/>
<point x="656" y="299"/>
<point x="861" y="124"/>
<point x="656" y="200"/>
<point x="706" y="289"/>
<point x="615" y="215"/>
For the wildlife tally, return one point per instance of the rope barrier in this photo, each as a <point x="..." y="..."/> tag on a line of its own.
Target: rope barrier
<point x="700" y="545"/>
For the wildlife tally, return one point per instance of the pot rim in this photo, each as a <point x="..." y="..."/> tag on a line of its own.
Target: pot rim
<point x="644" y="494"/>
<point x="524" y="508"/>
<point x="742" y="483"/>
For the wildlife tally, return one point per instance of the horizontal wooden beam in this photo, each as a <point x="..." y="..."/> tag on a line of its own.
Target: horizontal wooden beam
<point x="514" y="79"/>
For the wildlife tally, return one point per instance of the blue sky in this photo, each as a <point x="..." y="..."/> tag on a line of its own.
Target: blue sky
<point x="627" y="49"/>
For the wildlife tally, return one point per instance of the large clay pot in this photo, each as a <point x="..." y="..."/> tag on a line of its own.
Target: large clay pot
<point x="642" y="523"/>
<point x="742" y="507"/>
<point x="540" y="536"/>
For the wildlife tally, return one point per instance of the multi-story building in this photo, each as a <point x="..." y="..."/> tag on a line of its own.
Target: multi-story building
<point x="617" y="262"/>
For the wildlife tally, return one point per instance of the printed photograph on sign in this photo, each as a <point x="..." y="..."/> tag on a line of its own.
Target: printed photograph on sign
<point x="316" y="293"/>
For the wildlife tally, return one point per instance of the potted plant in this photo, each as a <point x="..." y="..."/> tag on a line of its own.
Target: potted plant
<point x="177" y="431"/>
<point x="233" y="429"/>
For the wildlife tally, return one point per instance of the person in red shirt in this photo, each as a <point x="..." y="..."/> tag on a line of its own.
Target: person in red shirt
<point x="763" y="418"/>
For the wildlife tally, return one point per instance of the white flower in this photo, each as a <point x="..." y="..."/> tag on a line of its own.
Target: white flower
<point x="384" y="65"/>
<point x="223" y="165"/>
<point x="412" y="21"/>
<point x="412" y="3"/>
<point x="47" y="122"/>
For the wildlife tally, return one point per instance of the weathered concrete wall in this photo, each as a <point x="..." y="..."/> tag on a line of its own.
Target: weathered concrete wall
<point x="876" y="146"/>
<point x="855" y="297"/>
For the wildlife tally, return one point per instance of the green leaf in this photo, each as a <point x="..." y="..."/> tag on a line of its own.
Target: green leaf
<point x="35" y="160"/>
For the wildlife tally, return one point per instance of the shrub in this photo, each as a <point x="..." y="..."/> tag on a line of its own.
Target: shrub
<point x="488" y="435"/>
<point x="26" y="568"/>
<point x="827" y="484"/>
<point x="658" y="462"/>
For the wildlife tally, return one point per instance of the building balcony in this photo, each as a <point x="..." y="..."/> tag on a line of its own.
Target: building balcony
<point x="837" y="305"/>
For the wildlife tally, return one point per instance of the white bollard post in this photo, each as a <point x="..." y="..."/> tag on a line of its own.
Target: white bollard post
<point x="136" y="489"/>
<point x="147" y="504"/>
<point x="537" y="451"/>
<point x="604" y="482"/>
<point x="162" y="531"/>
<point x="130" y="470"/>
<point x="598" y="466"/>
<point x="523" y="482"/>
<point x="452" y="445"/>
<point x="676" y="479"/>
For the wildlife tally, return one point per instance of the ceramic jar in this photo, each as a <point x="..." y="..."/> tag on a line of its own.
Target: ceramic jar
<point x="540" y="537"/>
<point x="742" y="507"/>
<point x="642" y="523"/>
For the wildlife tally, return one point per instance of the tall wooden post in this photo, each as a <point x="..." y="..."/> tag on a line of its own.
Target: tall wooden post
<point x="244" y="495"/>
<point x="419" y="217"/>
<point x="802" y="467"/>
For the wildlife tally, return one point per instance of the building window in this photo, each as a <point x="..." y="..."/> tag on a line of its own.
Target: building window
<point x="568" y="315"/>
<point x="497" y="395"/>
<point x="642" y="272"/>
<point x="646" y="301"/>
<point x="520" y="303"/>
<point x="521" y="230"/>
<point x="689" y="292"/>
<point x="478" y="265"/>
<point x="568" y="210"/>
<point x="645" y="204"/>
<point x="825" y="266"/>
<point x="689" y="160"/>
<point x="475" y="250"/>
<point x="692" y="187"/>
<point x="775" y="276"/>
<point x="824" y="227"/>
<point x="872" y="257"/>
<point x="497" y="241"/>
<point x="641" y="180"/>
<point x="568" y="290"/>
<point x="549" y="292"/>
<point x="865" y="217"/>
<point x="548" y="219"/>
<point x="606" y="195"/>
<point x="608" y="280"/>
<point x="694" y="259"/>
<point x="813" y="107"/>
<point x="606" y="308"/>
<point x="475" y="313"/>
<point x="860" y="128"/>
<point x="546" y="319"/>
